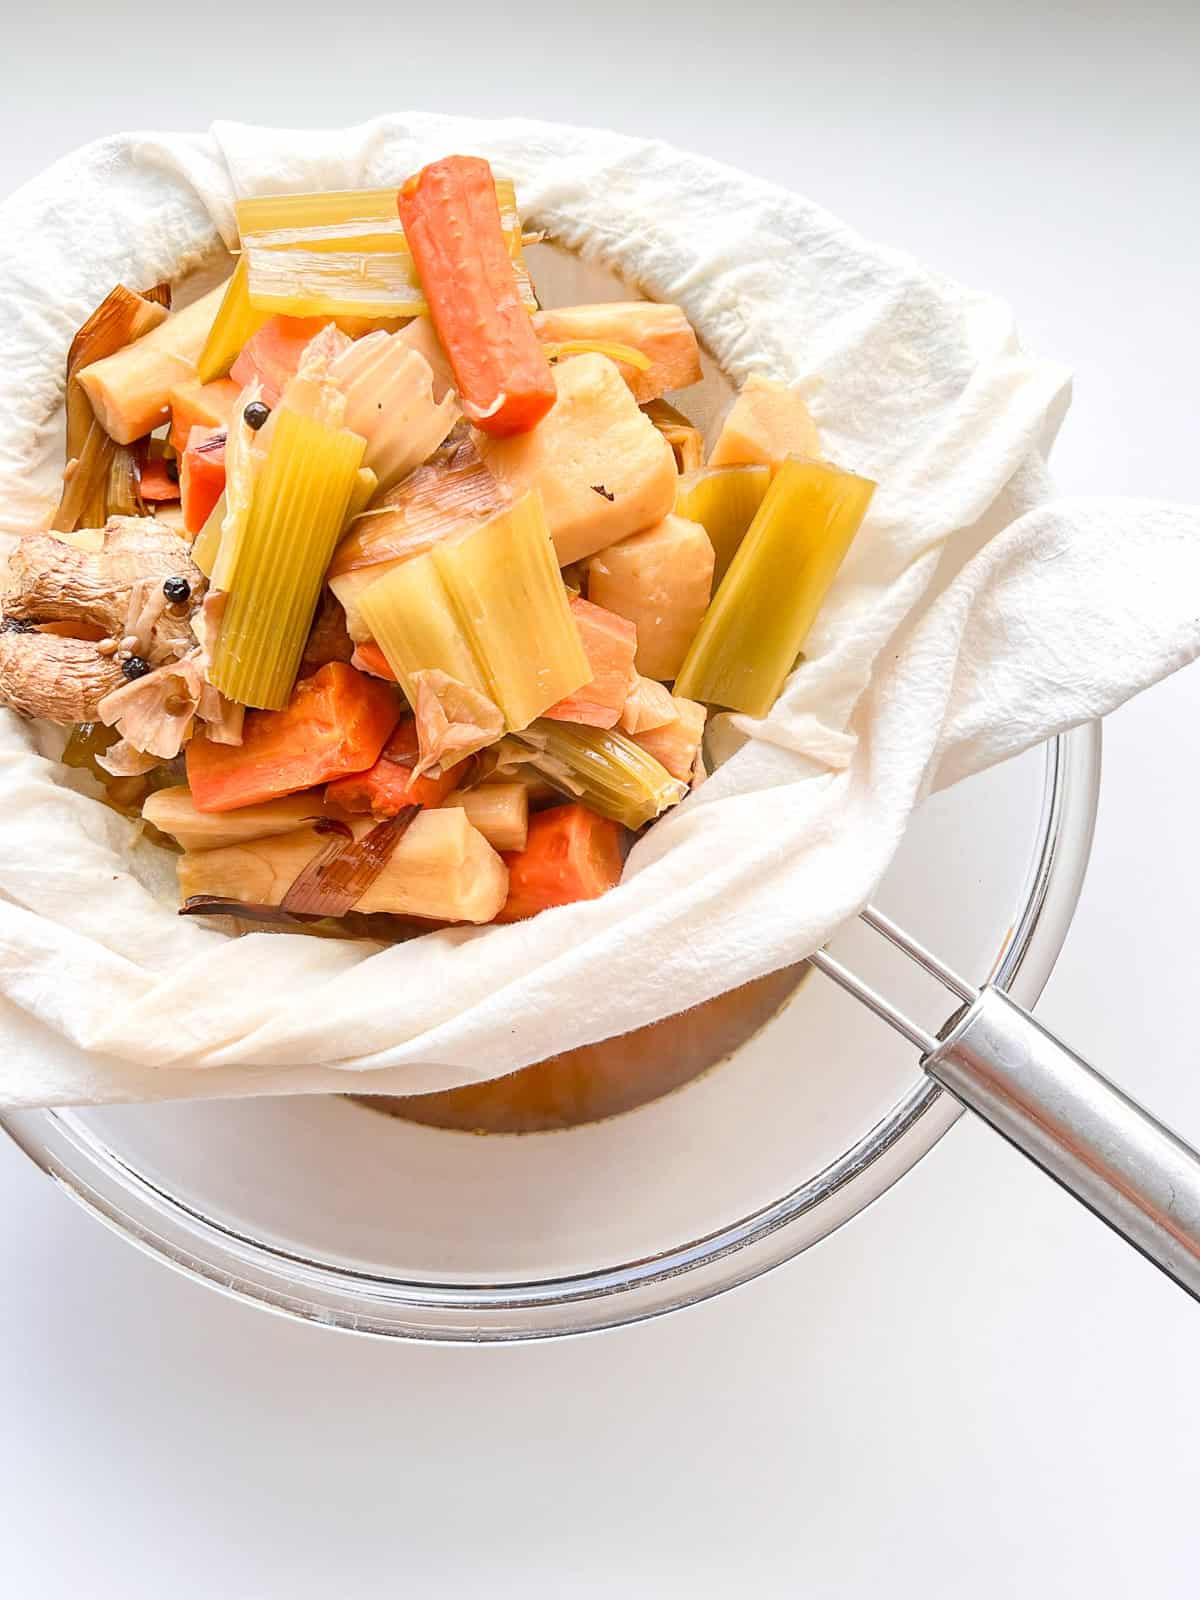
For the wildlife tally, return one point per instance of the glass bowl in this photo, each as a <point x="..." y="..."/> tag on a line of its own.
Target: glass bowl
<point x="325" y="1210"/>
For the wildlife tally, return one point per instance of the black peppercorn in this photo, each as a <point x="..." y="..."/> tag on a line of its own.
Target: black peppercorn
<point x="256" y="414"/>
<point x="135" y="667"/>
<point x="16" y="625"/>
<point x="178" y="591"/>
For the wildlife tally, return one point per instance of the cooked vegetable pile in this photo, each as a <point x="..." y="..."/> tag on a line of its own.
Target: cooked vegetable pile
<point x="425" y="591"/>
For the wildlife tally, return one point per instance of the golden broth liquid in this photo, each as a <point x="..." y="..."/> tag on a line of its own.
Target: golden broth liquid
<point x="602" y="1080"/>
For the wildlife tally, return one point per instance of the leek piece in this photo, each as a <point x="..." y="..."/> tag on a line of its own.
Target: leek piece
<point x="366" y="485"/>
<point x="344" y="254"/>
<point x="236" y="322"/>
<point x="761" y="615"/>
<point x="685" y="439"/>
<point x="487" y="607"/>
<point x="604" y="769"/>
<point x="723" y="500"/>
<point x="297" y="512"/>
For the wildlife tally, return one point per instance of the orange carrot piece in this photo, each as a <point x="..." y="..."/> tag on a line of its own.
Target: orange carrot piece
<point x="202" y="475"/>
<point x="272" y="355"/>
<point x="155" y="482"/>
<point x="572" y="854"/>
<point x="610" y="644"/>
<point x="336" y="722"/>
<point x="368" y="657"/>
<point x="451" y="221"/>
<point x="200" y="405"/>
<point x="389" y="785"/>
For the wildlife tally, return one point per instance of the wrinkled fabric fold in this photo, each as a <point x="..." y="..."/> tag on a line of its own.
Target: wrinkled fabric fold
<point x="976" y="615"/>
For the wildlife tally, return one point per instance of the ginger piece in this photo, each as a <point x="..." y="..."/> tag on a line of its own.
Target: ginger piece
<point x="62" y="680"/>
<point x="49" y="581"/>
<point x="115" y="593"/>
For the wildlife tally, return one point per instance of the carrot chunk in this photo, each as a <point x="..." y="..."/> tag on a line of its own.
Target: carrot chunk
<point x="452" y="225"/>
<point x="336" y="722"/>
<point x="572" y="854"/>
<point x="201" y="475"/>
<point x="389" y="785"/>
<point x="272" y="355"/>
<point x="155" y="482"/>
<point x="200" y="405"/>
<point x="610" y="644"/>
<point x="368" y="657"/>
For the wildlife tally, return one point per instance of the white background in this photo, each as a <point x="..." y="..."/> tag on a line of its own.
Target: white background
<point x="971" y="1391"/>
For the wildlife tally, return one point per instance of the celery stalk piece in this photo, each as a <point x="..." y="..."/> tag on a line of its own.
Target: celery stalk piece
<point x="412" y="619"/>
<point x="344" y="254"/>
<point x="236" y="321"/>
<point x="513" y="607"/>
<point x="604" y="769"/>
<point x="298" y="510"/>
<point x="723" y="500"/>
<point x="208" y="541"/>
<point x="487" y="607"/>
<point x="762" y="613"/>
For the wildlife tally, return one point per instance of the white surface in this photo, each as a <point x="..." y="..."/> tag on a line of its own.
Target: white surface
<point x="971" y="1390"/>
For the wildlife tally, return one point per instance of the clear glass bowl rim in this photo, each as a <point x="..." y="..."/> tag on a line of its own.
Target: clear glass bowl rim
<point x="335" y="1296"/>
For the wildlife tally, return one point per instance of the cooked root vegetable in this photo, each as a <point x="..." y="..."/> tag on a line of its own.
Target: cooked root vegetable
<point x="571" y="854"/>
<point x="762" y="613"/>
<point x="200" y="405"/>
<point x="62" y="680"/>
<point x="201" y="476"/>
<point x="649" y="704"/>
<point x="158" y="481"/>
<point x="767" y="422"/>
<point x="676" y="743"/>
<point x="336" y="722"/>
<point x="389" y="401"/>
<point x="297" y="512"/>
<point x="271" y="357"/>
<point x="610" y="644"/>
<point x="390" y="785"/>
<point x="368" y="657"/>
<point x="234" y="325"/>
<point x="723" y="501"/>
<point x="173" y="811"/>
<point x="686" y="440"/>
<point x="660" y="333"/>
<point x="442" y="869"/>
<point x="487" y="608"/>
<point x="602" y="468"/>
<point x="661" y="581"/>
<point x="344" y="254"/>
<point x="499" y="810"/>
<point x="452" y="226"/>
<point x="129" y="390"/>
<point x="604" y="769"/>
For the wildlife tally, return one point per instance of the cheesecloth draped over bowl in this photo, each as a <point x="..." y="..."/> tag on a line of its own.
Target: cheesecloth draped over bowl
<point x="975" y="616"/>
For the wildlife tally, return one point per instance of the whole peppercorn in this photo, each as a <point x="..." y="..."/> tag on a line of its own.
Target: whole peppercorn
<point x="16" y="625"/>
<point x="255" y="414"/>
<point x="178" y="591"/>
<point x="135" y="667"/>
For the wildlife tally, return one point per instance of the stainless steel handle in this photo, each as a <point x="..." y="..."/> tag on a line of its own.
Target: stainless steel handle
<point x="1108" y="1151"/>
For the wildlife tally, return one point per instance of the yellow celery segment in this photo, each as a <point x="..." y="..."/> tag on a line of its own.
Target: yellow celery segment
<point x="275" y="573"/>
<point x="235" y="322"/>
<point x="761" y="615"/>
<point x="488" y="607"/>
<point x="344" y="254"/>
<point x="723" y="500"/>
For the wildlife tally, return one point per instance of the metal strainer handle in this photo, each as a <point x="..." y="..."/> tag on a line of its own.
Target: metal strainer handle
<point x="1108" y="1151"/>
